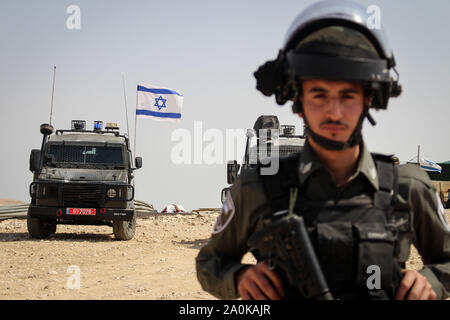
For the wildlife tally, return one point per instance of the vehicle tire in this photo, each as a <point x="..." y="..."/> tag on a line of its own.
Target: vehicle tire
<point x="40" y="228"/>
<point x="124" y="230"/>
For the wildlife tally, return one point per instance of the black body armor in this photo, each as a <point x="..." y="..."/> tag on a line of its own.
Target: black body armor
<point x="356" y="239"/>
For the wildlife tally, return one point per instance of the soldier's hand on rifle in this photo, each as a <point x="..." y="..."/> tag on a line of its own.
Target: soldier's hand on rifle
<point x="258" y="282"/>
<point x="418" y="286"/>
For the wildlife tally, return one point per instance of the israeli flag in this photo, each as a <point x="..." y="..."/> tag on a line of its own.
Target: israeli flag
<point x="162" y="104"/>
<point x="428" y="165"/>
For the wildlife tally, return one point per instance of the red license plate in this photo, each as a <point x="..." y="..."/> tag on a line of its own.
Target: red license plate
<point x="81" y="211"/>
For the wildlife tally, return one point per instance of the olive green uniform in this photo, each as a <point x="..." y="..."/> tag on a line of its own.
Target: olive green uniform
<point x="220" y="259"/>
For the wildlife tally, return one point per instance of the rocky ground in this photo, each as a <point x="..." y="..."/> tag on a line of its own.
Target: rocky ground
<point x="158" y="263"/>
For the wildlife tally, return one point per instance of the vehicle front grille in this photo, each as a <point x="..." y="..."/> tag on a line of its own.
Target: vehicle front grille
<point x="82" y="195"/>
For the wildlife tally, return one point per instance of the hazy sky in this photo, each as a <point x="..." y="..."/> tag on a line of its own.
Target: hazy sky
<point x="208" y="50"/>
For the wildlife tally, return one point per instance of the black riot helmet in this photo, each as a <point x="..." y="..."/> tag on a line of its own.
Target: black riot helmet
<point x="332" y="40"/>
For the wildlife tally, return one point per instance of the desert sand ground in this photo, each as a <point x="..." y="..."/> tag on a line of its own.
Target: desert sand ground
<point x="158" y="263"/>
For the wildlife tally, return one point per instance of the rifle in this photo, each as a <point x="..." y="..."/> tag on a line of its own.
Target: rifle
<point x="287" y="244"/>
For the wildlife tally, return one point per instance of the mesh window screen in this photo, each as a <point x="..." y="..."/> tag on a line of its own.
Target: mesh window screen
<point x="85" y="154"/>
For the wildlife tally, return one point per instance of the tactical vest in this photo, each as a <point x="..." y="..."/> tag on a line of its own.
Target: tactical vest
<point x="355" y="239"/>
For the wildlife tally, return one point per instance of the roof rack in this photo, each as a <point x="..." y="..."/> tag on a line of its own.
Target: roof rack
<point x="116" y="133"/>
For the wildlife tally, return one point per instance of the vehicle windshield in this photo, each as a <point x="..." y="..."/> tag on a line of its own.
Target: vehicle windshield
<point x="86" y="156"/>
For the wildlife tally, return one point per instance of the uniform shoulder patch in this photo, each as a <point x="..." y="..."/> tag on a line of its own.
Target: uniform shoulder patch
<point x="226" y="214"/>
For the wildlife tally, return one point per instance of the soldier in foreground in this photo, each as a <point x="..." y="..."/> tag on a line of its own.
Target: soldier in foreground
<point x="361" y="212"/>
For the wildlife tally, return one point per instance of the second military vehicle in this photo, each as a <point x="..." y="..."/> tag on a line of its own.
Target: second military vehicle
<point x="270" y="136"/>
<point x="82" y="177"/>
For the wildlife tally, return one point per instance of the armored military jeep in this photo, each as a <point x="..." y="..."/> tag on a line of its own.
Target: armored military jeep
<point x="270" y="137"/>
<point x="82" y="177"/>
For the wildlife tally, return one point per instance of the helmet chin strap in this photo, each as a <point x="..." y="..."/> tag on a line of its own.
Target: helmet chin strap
<point x="355" y="138"/>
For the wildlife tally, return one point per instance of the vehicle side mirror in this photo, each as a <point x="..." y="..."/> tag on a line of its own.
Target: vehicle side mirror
<point x="223" y="194"/>
<point x="35" y="158"/>
<point x="232" y="171"/>
<point x="138" y="162"/>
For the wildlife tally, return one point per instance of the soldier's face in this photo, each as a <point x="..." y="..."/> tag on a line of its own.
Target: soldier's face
<point x="332" y="108"/>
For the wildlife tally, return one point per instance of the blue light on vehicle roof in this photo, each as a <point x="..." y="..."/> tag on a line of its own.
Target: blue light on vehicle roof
<point x="98" y="125"/>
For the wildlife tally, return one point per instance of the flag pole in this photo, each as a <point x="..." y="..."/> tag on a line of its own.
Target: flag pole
<point x="135" y="124"/>
<point x="135" y="127"/>
<point x="418" y="155"/>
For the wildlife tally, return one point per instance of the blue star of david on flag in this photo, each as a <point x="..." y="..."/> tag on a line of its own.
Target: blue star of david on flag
<point x="157" y="103"/>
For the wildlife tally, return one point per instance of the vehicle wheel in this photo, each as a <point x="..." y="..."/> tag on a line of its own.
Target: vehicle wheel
<point x="40" y="228"/>
<point x="124" y="230"/>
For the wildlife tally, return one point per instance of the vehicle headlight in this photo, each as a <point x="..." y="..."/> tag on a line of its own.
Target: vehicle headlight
<point x="46" y="190"/>
<point x="111" y="193"/>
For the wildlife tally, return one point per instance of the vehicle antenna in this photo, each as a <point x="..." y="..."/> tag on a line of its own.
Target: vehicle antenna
<point x="125" y="99"/>
<point x="53" y="91"/>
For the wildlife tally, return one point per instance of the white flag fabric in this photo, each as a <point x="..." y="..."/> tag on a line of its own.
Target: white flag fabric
<point x="162" y="104"/>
